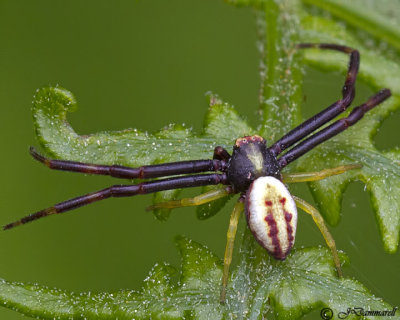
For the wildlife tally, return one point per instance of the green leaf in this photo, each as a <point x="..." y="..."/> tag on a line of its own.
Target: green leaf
<point x="306" y="281"/>
<point x="380" y="173"/>
<point x="375" y="17"/>
<point x="281" y="73"/>
<point x="161" y="297"/>
<point x="132" y="147"/>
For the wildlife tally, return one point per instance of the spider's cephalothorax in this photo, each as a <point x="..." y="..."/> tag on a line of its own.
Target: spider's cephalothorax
<point x="250" y="160"/>
<point x="253" y="170"/>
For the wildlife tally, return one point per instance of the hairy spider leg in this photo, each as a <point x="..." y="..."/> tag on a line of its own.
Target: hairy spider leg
<point x="195" y="201"/>
<point x="318" y="175"/>
<point x="144" y="172"/>
<point x="319" y="221"/>
<point x="308" y="208"/>
<point x="348" y="92"/>
<point x="332" y="130"/>
<point x="125" y="191"/>
<point x="231" y="235"/>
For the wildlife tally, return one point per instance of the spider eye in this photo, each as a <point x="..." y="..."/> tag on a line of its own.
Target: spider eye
<point x="271" y="215"/>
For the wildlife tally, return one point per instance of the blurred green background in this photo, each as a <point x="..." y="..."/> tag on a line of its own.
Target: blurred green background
<point x="141" y="64"/>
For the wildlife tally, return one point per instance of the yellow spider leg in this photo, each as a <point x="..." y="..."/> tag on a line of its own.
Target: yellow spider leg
<point x="195" y="201"/>
<point x="317" y="175"/>
<point x="319" y="221"/>
<point x="231" y="234"/>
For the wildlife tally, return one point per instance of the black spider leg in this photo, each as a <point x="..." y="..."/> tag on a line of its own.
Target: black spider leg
<point x="333" y="110"/>
<point x="144" y="172"/>
<point x="332" y="130"/>
<point x="125" y="191"/>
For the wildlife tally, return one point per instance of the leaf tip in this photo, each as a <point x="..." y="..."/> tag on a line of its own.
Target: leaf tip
<point x="213" y="98"/>
<point x="55" y="98"/>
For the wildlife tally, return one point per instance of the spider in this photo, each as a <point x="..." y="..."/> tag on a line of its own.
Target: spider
<point x="253" y="170"/>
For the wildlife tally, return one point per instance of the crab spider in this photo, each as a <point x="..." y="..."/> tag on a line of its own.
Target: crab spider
<point x="253" y="171"/>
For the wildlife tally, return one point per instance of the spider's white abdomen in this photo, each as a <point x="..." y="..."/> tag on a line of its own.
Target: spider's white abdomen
<point x="272" y="215"/>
